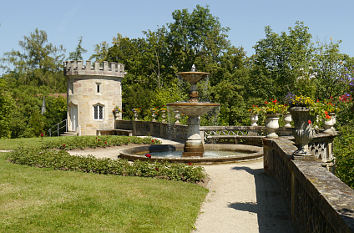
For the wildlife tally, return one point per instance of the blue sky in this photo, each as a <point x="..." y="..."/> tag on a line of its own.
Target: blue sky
<point x="96" y="21"/>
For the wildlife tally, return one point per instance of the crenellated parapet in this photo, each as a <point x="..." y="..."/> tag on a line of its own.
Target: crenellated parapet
<point x="78" y="68"/>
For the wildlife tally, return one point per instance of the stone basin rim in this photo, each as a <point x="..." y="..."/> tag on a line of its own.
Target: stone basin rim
<point x="256" y="152"/>
<point x="193" y="104"/>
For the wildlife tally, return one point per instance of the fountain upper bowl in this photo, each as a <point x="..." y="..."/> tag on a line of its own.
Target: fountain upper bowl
<point x="193" y="108"/>
<point x="193" y="76"/>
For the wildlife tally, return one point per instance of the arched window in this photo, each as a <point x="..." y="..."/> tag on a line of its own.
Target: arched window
<point x="98" y="112"/>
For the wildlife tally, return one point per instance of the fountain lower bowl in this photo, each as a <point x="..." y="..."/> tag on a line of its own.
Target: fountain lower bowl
<point x="193" y="108"/>
<point x="214" y="153"/>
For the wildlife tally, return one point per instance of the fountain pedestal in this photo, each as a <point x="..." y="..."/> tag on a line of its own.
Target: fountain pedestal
<point x="194" y="144"/>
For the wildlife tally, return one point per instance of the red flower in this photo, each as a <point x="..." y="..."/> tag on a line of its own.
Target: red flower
<point x="152" y="140"/>
<point x="328" y="116"/>
<point x="148" y="155"/>
<point x="275" y="101"/>
<point x="42" y="134"/>
<point x="99" y="139"/>
<point x="318" y="101"/>
<point x="156" y="168"/>
<point x="326" y="112"/>
<point x="105" y="143"/>
<point x="253" y="105"/>
<point x="309" y="121"/>
<point x="63" y="145"/>
<point x="190" y="164"/>
<point x="265" y="102"/>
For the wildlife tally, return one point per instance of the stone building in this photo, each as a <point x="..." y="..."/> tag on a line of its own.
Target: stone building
<point x="94" y="91"/>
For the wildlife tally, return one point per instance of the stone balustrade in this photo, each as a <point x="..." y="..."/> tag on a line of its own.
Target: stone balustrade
<point x="318" y="200"/>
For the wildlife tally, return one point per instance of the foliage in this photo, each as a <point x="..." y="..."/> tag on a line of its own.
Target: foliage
<point x="45" y="156"/>
<point x="255" y="110"/>
<point x="299" y="101"/>
<point x="273" y="107"/>
<point x="77" y="54"/>
<point x="344" y="153"/>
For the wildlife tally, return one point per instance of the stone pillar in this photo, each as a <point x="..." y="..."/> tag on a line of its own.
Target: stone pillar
<point x="194" y="144"/>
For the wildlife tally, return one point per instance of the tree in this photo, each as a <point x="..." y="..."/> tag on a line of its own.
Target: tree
<point x="101" y="51"/>
<point x="280" y="60"/>
<point x="38" y="64"/>
<point x="77" y="54"/>
<point x="195" y="38"/>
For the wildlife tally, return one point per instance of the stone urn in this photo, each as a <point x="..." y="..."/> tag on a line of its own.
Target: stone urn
<point x="272" y="124"/>
<point x="163" y="116"/>
<point x="116" y="113"/>
<point x="153" y="114"/>
<point x="329" y="123"/>
<point x="135" y="114"/>
<point x="288" y="119"/>
<point x="177" y="116"/>
<point x="303" y="132"/>
<point x="254" y="119"/>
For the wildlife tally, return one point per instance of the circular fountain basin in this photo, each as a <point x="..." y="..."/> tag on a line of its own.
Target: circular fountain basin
<point x="214" y="153"/>
<point x="193" y="76"/>
<point x="193" y="108"/>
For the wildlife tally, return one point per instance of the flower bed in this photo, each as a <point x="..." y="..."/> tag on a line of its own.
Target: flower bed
<point x="59" y="158"/>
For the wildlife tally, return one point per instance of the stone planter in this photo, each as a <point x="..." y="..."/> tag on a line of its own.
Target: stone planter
<point x="163" y="116"/>
<point x="272" y="124"/>
<point x="329" y="123"/>
<point x="288" y="119"/>
<point x="116" y="114"/>
<point x="254" y="119"/>
<point x="135" y="115"/>
<point x="153" y="115"/>
<point x="177" y="116"/>
<point x="303" y="132"/>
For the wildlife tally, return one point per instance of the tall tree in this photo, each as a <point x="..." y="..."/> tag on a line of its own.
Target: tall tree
<point x="280" y="60"/>
<point x="39" y="63"/>
<point x="77" y="54"/>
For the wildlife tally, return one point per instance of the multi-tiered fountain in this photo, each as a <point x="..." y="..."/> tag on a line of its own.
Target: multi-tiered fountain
<point x="193" y="109"/>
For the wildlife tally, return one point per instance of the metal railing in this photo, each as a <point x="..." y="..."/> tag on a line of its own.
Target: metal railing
<point x="58" y="128"/>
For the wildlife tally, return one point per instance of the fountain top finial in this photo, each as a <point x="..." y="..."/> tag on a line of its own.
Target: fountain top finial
<point x="193" y="68"/>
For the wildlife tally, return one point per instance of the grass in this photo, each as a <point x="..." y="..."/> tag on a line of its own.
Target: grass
<point x="45" y="200"/>
<point x="11" y="144"/>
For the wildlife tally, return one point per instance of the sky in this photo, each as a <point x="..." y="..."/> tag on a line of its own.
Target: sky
<point x="97" y="21"/>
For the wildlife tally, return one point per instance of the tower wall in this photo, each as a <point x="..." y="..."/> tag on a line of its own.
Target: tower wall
<point x="94" y="90"/>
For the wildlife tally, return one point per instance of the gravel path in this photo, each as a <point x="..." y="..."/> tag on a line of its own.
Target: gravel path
<point x="243" y="199"/>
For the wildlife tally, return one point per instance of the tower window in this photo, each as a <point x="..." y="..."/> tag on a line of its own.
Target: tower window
<point x="98" y="112"/>
<point x="98" y="87"/>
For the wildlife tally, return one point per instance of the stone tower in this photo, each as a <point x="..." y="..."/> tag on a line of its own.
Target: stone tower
<point x="93" y="93"/>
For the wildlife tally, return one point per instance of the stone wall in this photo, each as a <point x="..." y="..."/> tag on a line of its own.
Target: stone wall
<point x="176" y="132"/>
<point x="318" y="200"/>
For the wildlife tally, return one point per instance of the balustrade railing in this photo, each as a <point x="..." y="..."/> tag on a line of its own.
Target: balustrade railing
<point x="58" y="128"/>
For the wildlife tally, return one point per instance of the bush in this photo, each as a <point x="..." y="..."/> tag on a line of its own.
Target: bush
<point x="344" y="152"/>
<point x="53" y="155"/>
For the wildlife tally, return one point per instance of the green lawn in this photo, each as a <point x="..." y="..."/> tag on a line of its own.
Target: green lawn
<point x="10" y="144"/>
<point x="46" y="200"/>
